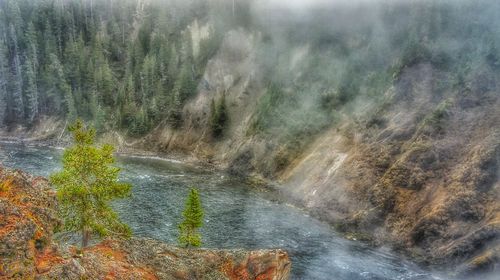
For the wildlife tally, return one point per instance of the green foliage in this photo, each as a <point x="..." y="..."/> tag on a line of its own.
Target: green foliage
<point x="218" y="117"/>
<point x="186" y="84"/>
<point x="268" y="109"/>
<point x="128" y="66"/>
<point x="87" y="184"/>
<point x="193" y="220"/>
<point x="175" y="114"/>
<point x="70" y="61"/>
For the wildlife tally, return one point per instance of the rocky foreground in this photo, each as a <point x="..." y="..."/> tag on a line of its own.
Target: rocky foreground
<point x="28" y="218"/>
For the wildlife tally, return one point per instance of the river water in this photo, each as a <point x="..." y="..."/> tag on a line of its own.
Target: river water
<point x="236" y="216"/>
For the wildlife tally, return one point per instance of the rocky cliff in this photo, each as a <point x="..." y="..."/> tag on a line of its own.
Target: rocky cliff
<point x="382" y="119"/>
<point x="28" y="218"/>
<point x="419" y="170"/>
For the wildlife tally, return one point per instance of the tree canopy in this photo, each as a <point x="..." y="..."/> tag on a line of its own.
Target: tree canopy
<point x="193" y="220"/>
<point x="87" y="184"/>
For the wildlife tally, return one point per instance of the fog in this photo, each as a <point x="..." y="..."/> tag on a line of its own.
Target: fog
<point x="325" y="64"/>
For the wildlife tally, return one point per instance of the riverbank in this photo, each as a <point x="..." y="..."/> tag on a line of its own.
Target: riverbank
<point x="359" y="186"/>
<point x="237" y="216"/>
<point x="28" y="250"/>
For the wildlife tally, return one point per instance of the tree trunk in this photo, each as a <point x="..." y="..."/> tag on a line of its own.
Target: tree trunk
<point x="85" y="238"/>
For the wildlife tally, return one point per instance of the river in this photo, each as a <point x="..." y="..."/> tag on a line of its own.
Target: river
<point x="236" y="216"/>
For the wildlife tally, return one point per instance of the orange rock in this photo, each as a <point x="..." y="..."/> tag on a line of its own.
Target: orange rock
<point x="28" y="217"/>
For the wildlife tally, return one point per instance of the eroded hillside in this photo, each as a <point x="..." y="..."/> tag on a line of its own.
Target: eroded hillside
<point x="381" y="118"/>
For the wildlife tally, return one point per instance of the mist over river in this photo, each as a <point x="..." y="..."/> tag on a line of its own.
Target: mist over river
<point x="236" y="216"/>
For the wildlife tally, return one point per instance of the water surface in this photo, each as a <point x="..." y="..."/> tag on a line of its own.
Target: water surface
<point x="236" y="216"/>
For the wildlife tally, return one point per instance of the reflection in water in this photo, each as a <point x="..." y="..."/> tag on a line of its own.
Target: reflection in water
<point x="236" y="216"/>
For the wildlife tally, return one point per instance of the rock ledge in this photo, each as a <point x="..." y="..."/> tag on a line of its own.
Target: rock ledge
<point x="28" y="218"/>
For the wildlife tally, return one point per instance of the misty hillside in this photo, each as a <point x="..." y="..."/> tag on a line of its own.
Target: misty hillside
<point x="380" y="117"/>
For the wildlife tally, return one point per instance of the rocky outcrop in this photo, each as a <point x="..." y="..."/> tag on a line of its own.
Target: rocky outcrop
<point x="27" y="251"/>
<point x="27" y="220"/>
<point x="151" y="259"/>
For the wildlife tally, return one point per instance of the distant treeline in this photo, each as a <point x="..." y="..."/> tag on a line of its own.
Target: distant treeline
<point x="131" y="65"/>
<point x="121" y="64"/>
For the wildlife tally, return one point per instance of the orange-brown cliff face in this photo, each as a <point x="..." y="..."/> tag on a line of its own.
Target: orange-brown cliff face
<point x="28" y="218"/>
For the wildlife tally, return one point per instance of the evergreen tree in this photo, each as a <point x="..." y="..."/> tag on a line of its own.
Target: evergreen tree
<point x="3" y="80"/>
<point x="30" y="75"/>
<point x="186" y="83"/>
<point x="74" y="64"/>
<point x="172" y="67"/>
<point x="175" y="112"/>
<point x="105" y="84"/>
<point x="31" y="91"/>
<point x="31" y="45"/>
<point x="148" y="76"/>
<point x="50" y="45"/>
<point x="72" y="58"/>
<point x="86" y="186"/>
<point x="218" y="117"/>
<point x="61" y="88"/>
<point x="213" y="117"/>
<point x="193" y="220"/>
<point x="16" y="80"/>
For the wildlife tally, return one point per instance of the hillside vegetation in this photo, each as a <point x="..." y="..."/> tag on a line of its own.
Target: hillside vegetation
<point x="381" y="117"/>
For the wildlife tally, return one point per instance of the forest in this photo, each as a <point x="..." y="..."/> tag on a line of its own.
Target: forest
<point x="121" y="64"/>
<point x="377" y="120"/>
<point x="132" y="65"/>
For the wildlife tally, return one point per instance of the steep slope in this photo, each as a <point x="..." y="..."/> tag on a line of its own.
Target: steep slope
<point x="380" y="117"/>
<point x="420" y="170"/>
<point x="423" y="174"/>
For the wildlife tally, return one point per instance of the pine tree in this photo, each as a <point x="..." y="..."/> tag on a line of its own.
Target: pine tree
<point x="86" y="186"/>
<point x="193" y="220"/>
<point x="50" y="44"/>
<point x="172" y="68"/>
<point x="31" y="44"/>
<point x="175" y="113"/>
<point x="218" y="117"/>
<point x="3" y="80"/>
<point x="213" y="117"/>
<point x="61" y="87"/>
<point x="106" y="84"/>
<point x="31" y="91"/>
<point x="186" y="85"/>
<point x="16" y="88"/>
<point x="113" y="64"/>
<point x="222" y="113"/>
<point x="148" y="76"/>
<point x="30" y="75"/>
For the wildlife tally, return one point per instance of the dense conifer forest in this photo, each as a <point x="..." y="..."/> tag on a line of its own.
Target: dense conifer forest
<point x="126" y="64"/>
<point x="131" y="65"/>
